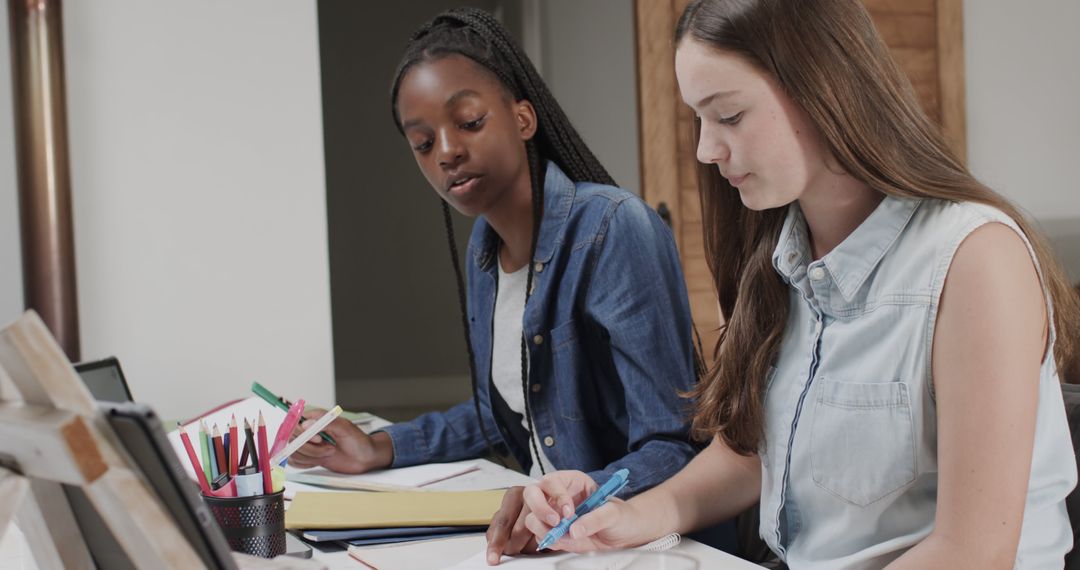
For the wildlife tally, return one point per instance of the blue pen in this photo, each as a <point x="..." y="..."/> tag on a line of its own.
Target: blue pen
<point x="599" y="497"/>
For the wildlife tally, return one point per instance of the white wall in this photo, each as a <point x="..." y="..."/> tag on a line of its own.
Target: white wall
<point x="1023" y="109"/>
<point x="589" y="63"/>
<point x="199" y="195"/>
<point x="1023" y="101"/>
<point x="11" y="296"/>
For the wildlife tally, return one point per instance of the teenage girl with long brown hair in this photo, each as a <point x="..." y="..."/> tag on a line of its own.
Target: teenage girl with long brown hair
<point x="886" y="383"/>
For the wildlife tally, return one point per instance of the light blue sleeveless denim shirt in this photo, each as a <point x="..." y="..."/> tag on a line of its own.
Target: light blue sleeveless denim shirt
<point x="849" y="462"/>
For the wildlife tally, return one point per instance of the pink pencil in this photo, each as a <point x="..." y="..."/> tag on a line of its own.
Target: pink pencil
<point x="203" y="483"/>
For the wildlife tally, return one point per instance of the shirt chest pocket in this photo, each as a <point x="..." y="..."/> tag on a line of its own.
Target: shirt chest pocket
<point x="567" y="364"/>
<point x="862" y="440"/>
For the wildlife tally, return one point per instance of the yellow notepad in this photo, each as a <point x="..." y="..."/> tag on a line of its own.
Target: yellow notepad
<point x="394" y="509"/>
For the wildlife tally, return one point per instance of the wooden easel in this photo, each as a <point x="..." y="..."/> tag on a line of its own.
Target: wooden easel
<point x="51" y="433"/>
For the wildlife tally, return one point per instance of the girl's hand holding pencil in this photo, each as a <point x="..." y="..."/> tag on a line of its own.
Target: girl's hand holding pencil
<point x="311" y="429"/>
<point x="355" y="452"/>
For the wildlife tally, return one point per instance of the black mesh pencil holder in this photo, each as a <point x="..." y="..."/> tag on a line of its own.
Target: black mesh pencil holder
<point x="252" y="525"/>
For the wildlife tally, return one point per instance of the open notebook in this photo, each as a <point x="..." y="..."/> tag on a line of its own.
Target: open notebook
<point x="401" y="479"/>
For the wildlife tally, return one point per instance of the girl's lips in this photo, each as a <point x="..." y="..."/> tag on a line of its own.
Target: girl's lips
<point x="737" y="180"/>
<point x="466" y="187"/>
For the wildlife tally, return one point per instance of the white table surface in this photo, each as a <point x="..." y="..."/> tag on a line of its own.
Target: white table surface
<point x="490" y="476"/>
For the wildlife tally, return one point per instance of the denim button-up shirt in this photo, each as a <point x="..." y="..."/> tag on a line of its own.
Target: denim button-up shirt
<point x="609" y="342"/>
<point x="850" y="462"/>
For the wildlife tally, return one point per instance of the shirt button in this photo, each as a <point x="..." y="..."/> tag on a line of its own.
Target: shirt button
<point x="817" y="274"/>
<point x="535" y="388"/>
<point x="538" y="267"/>
<point x="549" y="441"/>
<point x="791" y="256"/>
<point x="538" y="339"/>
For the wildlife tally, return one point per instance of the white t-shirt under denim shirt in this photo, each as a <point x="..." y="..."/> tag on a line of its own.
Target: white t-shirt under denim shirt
<point x="506" y="351"/>
<point x="849" y="463"/>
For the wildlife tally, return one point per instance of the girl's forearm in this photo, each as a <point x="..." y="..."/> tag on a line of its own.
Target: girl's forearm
<point x="715" y="486"/>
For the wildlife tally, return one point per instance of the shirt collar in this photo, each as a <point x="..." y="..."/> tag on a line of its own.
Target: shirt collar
<point x="559" y="194"/>
<point x="851" y="262"/>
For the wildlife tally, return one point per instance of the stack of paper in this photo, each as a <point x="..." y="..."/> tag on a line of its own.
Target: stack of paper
<point x="367" y="536"/>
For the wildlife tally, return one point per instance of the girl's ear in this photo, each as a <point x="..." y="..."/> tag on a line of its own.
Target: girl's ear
<point x="525" y="115"/>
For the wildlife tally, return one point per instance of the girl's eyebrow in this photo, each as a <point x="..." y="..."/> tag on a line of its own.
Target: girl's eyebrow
<point x="713" y="97"/>
<point x="410" y="124"/>
<point x="460" y="95"/>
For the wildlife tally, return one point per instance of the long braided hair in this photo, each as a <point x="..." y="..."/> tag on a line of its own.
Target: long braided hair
<point x="477" y="35"/>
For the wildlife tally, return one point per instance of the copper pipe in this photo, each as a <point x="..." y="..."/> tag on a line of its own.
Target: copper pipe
<point x="41" y="145"/>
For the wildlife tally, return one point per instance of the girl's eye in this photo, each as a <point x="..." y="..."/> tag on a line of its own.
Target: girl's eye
<point x="732" y="120"/>
<point x="473" y="125"/>
<point x="422" y="147"/>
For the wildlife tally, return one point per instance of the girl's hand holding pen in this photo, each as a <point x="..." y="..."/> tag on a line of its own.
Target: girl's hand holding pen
<point x="612" y="525"/>
<point x="355" y="452"/>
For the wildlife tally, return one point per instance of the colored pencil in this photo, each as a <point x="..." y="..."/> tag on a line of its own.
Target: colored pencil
<point x="203" y="483"/>
<point x="234" y="448"/>
<point x="219" y="452"/>
<point x="249" y="445"/>
<point x="264" y="457"/>
<point x="278" y="401"/>
<point x="204" y="446"/>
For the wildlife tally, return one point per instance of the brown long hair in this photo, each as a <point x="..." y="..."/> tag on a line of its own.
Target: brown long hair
<point x="828" y="57"/>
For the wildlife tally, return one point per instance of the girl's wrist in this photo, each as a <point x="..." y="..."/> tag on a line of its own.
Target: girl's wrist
<point x="384" y="450"/>
<point x="654" y="516"/>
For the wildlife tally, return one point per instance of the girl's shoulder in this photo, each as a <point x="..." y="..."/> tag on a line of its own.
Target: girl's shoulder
<point x="944" y="216"/>
<point x="601" y="201"/>
<point x="937" y="227"/>
<point x="591" y="198"/>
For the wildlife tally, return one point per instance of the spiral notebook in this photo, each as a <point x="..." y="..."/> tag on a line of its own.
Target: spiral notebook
<point x="547" y="561"/>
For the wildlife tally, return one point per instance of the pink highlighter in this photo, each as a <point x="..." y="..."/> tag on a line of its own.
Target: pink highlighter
<point x="291" y="419"/>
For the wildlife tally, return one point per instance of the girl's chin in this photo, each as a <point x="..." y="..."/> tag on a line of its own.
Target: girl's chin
<point x="464" y="207"/>
<point x="753" y="201"/>
<point x="759" y="201"/>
